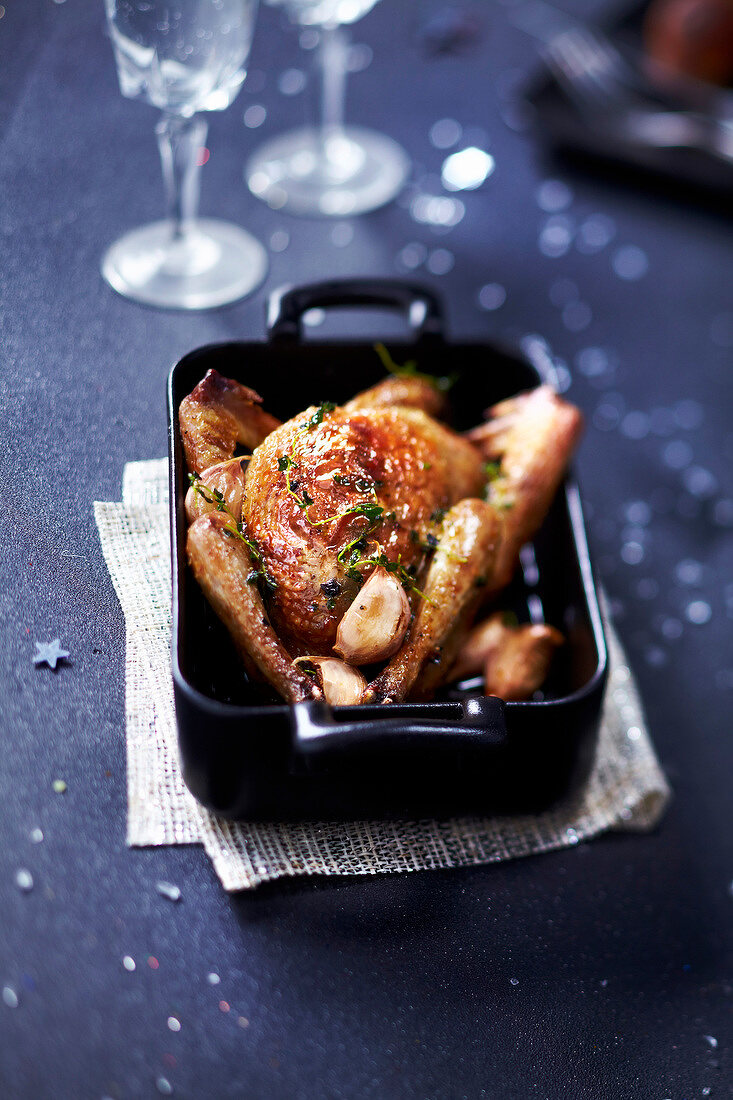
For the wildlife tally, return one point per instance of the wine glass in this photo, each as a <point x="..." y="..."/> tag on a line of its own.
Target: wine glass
<point x="332" y="170"/>
<point x="183" y="57"/>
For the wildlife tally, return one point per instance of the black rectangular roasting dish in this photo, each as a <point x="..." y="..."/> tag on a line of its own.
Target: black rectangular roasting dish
<point x="246" y="754"/>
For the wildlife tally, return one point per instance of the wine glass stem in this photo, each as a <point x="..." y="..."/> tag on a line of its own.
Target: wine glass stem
<point x="180" y="141"/>
<point x="334" y="52"/>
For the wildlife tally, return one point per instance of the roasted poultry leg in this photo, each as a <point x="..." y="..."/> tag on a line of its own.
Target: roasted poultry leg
<point x="222" y="565"/>
<point x="527" y="441"/>
<point x="462" y="565"/>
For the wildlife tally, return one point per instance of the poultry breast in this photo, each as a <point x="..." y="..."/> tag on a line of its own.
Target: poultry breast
<point x="357" y="479"/>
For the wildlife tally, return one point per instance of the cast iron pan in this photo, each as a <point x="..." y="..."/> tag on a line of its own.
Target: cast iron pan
<point x="245" y="754"/>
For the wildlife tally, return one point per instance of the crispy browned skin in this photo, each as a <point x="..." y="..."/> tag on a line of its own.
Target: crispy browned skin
<point x="221" y="566"/>
<point x="401" y="389"/>
<point x="415" y="466"/>
<point x="452" y="587"/>
<point x="216" y="416"/>
<point x="226" y="478"/>
<point x="531" y="436"/>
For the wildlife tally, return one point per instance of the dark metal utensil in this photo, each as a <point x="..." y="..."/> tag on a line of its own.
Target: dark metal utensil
<point x="602" y="86"/>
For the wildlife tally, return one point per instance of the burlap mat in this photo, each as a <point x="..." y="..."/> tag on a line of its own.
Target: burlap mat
<point x="626" y="790"/>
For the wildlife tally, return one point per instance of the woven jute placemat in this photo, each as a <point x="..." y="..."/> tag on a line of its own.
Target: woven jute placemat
<point x="626" y="789"/>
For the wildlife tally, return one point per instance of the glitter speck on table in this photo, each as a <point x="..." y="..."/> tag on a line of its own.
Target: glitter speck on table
<point x="440" y="261"/>
<point x="168" y="890"/>
<point x="698" y="612"/>
<point x="553" y="195"/>
<point x="59" y="786"/>
<point x="492" y="296"/>
<point x="279" y="240"/>
<point x="254" y="116"/>
<point x="174" y="1024"/>
<point x="24" y="880"/>
<point x="630" y="262"/>
<point x="10" y="997"/>
<point x="129" y="963"/>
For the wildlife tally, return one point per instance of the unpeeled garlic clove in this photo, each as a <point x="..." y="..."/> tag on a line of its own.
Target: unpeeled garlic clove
<point x="375" y="625"/>
<point x="226" y="478"/>
<point x="342" y="685"/>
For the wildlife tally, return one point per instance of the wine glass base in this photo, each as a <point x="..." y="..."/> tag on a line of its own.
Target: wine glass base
<point x="355" y="171"/>
<point x="216" y="263"/>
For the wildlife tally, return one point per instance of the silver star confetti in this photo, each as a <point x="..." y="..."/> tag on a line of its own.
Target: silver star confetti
<point x="50" y="653"/>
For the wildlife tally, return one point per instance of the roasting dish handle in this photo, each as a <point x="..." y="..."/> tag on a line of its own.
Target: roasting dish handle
<point x="471" y="724"/>
<point x="419" y="305"/>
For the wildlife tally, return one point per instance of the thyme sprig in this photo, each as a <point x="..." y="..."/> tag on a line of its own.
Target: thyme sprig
<point x="497" y="486"/>
<point x="373" y="512"/>
<point x="442" y="383"/>
<point x="236" y="529"/>
<point x="432" y="542"/>
<point x="323" y="410"/>
<point x="379" y="558"/>
<point x="361" y="484"/>
<point x="286" y="463"/>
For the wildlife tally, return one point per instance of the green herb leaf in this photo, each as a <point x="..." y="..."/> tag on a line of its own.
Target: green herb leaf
<point x="317" y="418"/>
<point x="409" y="369"/>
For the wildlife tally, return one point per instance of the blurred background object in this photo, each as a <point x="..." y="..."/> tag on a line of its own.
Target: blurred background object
<point x="332" y="170"/>
<point x="692" y="37"/>
<point x="628" y="93"/>
<point x="183" y="59"/>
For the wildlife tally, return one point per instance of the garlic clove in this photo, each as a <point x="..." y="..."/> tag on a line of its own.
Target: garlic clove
<point x="226" y="478"/>
<point x="342" y="685"/>
<point x="374" y="626"/>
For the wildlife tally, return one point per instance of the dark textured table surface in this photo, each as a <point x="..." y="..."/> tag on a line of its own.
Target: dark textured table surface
<point x="621" y="950"/>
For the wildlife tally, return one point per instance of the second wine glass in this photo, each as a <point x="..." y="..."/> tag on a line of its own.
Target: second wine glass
<point x="332" y="170"/>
